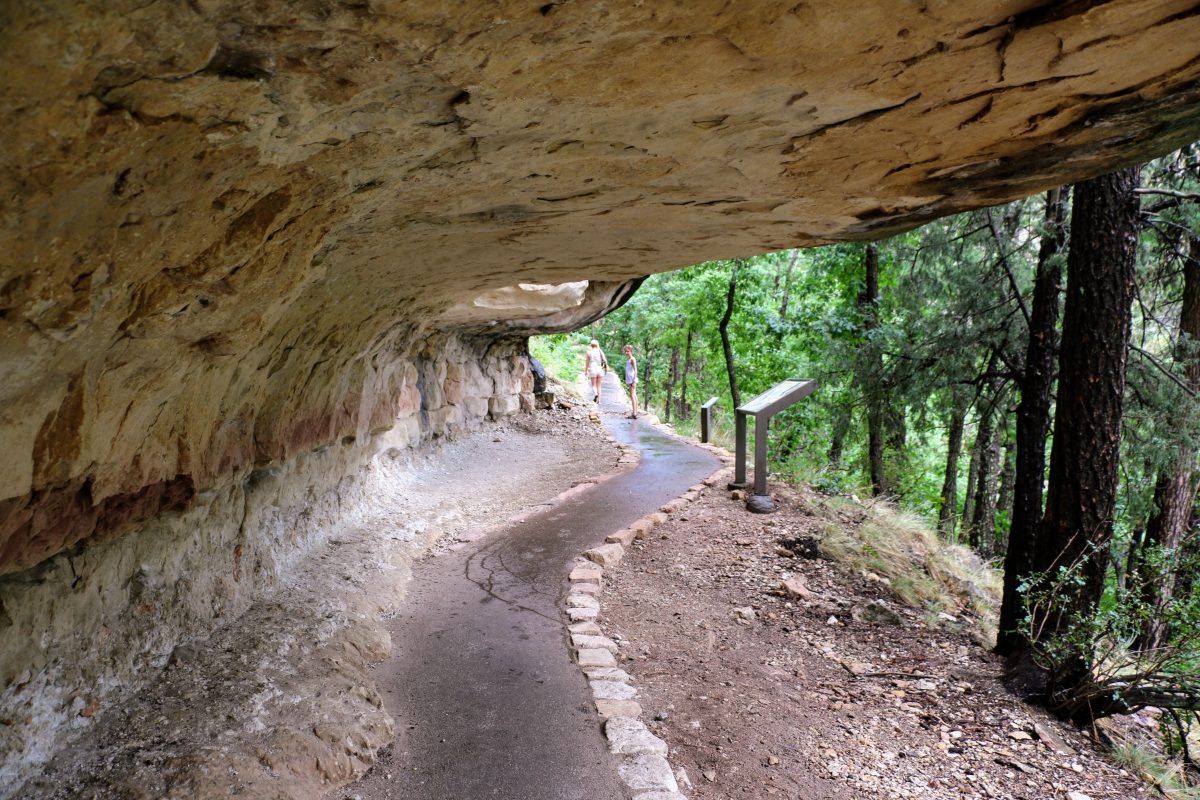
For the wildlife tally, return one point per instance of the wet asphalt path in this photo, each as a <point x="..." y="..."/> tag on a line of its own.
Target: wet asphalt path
<point x="487" y="701"/>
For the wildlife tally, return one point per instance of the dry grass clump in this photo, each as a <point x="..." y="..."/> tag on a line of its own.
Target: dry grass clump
<point x="1165" y="774"/>
<point x="923" y="571"/>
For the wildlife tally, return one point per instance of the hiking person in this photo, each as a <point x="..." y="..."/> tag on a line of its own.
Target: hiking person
<point x="595" y="365"/>
<point x="631" y="379"/>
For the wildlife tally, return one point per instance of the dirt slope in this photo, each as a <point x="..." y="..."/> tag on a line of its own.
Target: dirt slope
<point x="844" y="693"/>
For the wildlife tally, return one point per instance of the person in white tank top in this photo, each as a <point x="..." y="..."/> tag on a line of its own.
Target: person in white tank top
<point x="595" y="365"/>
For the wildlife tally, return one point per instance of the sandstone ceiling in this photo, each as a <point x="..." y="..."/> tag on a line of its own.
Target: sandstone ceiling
<point x="225" y="221"/>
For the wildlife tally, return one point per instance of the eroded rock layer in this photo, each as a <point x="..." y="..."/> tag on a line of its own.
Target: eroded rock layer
<point x="82" y="630"/>
<point x="222" y="221"/>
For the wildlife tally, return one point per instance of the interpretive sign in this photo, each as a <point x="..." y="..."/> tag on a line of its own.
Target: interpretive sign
<point x="762" y="408"/>
<point x="779" y="397"/>
<point x="706" y="418"/>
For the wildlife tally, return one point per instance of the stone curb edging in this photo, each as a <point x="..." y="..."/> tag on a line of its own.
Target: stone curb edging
<point x="643" y="764"/>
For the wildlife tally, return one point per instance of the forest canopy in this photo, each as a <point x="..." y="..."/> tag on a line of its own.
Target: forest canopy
<point x="1024" y="377"/>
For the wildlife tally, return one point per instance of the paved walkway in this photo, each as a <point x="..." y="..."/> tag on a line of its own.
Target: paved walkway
<point x="487" y="701"/>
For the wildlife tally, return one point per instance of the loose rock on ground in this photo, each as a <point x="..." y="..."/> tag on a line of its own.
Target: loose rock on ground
<point x="770" y="675"/>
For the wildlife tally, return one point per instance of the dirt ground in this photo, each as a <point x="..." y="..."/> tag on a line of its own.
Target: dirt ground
<point x="842" y="694"/>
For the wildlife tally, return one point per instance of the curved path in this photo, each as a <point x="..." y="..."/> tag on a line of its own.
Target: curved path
<point x="487" y="701"/>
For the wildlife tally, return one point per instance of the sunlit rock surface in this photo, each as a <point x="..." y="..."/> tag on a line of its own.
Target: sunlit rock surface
<point x="234" y="233"/>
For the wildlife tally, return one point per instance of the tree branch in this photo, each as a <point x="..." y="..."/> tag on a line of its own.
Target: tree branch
<point x="1170" y="242"/>
<point x="1163" y="369"/>
<point x="1012" y="281"/>
<point x="1169" y="193"/>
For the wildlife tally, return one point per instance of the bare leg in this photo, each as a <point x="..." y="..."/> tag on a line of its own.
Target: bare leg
<point x="596" y="387"/>
<point x="633" y="398"/>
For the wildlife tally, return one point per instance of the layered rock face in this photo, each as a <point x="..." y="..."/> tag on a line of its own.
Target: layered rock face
<point x="82" y="629"/>
<point x="233" y="234"/>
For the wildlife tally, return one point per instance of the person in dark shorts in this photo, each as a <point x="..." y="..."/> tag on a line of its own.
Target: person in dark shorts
<point x="631" y="379"/>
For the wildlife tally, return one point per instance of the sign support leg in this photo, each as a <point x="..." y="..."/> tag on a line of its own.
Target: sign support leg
<point x="760" y="502"/>
<point x="739" y="462"/>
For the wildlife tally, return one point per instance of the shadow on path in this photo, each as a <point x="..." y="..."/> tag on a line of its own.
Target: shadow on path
<point x="487" y="701"/>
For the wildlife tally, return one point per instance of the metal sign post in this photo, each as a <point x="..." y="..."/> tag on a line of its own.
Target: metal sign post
<point x="762" y="408"/>
<point x="706" y="418"/>
<point x="739" y="450"/>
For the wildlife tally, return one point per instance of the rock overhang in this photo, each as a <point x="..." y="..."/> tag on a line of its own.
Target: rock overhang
<point x="221" y="224"/>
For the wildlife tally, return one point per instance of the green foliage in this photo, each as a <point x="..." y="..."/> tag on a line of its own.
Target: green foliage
<point x="943" y="310"/>
<point x="951" y="323"/>
<point x="1118" y="677"/>
<point x="671" y="308"/>
<point x="950" y="329"/>
<point x="560" y="353"/>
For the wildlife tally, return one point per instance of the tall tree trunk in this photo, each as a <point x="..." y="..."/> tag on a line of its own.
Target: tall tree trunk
<point x="968" y="512"/>
<point x="1008" y="476"/>
<point x="1076" y="527"/>
<point x="787" y="284"/>
<point x="983" y="518"/>
<point x="870" y="372"/>
<point x="723" y="327"/>
<point x="948" y="514"/>
<point x="672" y="380"/>
<point x="895" y="456"/>
<point x="1133" y="555"/>
<point x="1175" y="490"/>
<point x="1033" y="422"/>
<point x="837" y="439"/>
<point x="879" y="481"/>
<point x="685" y="410"/>
<point x="1185" y="580"/>
<point x="646" y="366"/>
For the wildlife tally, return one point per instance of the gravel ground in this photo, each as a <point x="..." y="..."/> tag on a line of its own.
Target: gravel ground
<point x="843" y="693"/>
